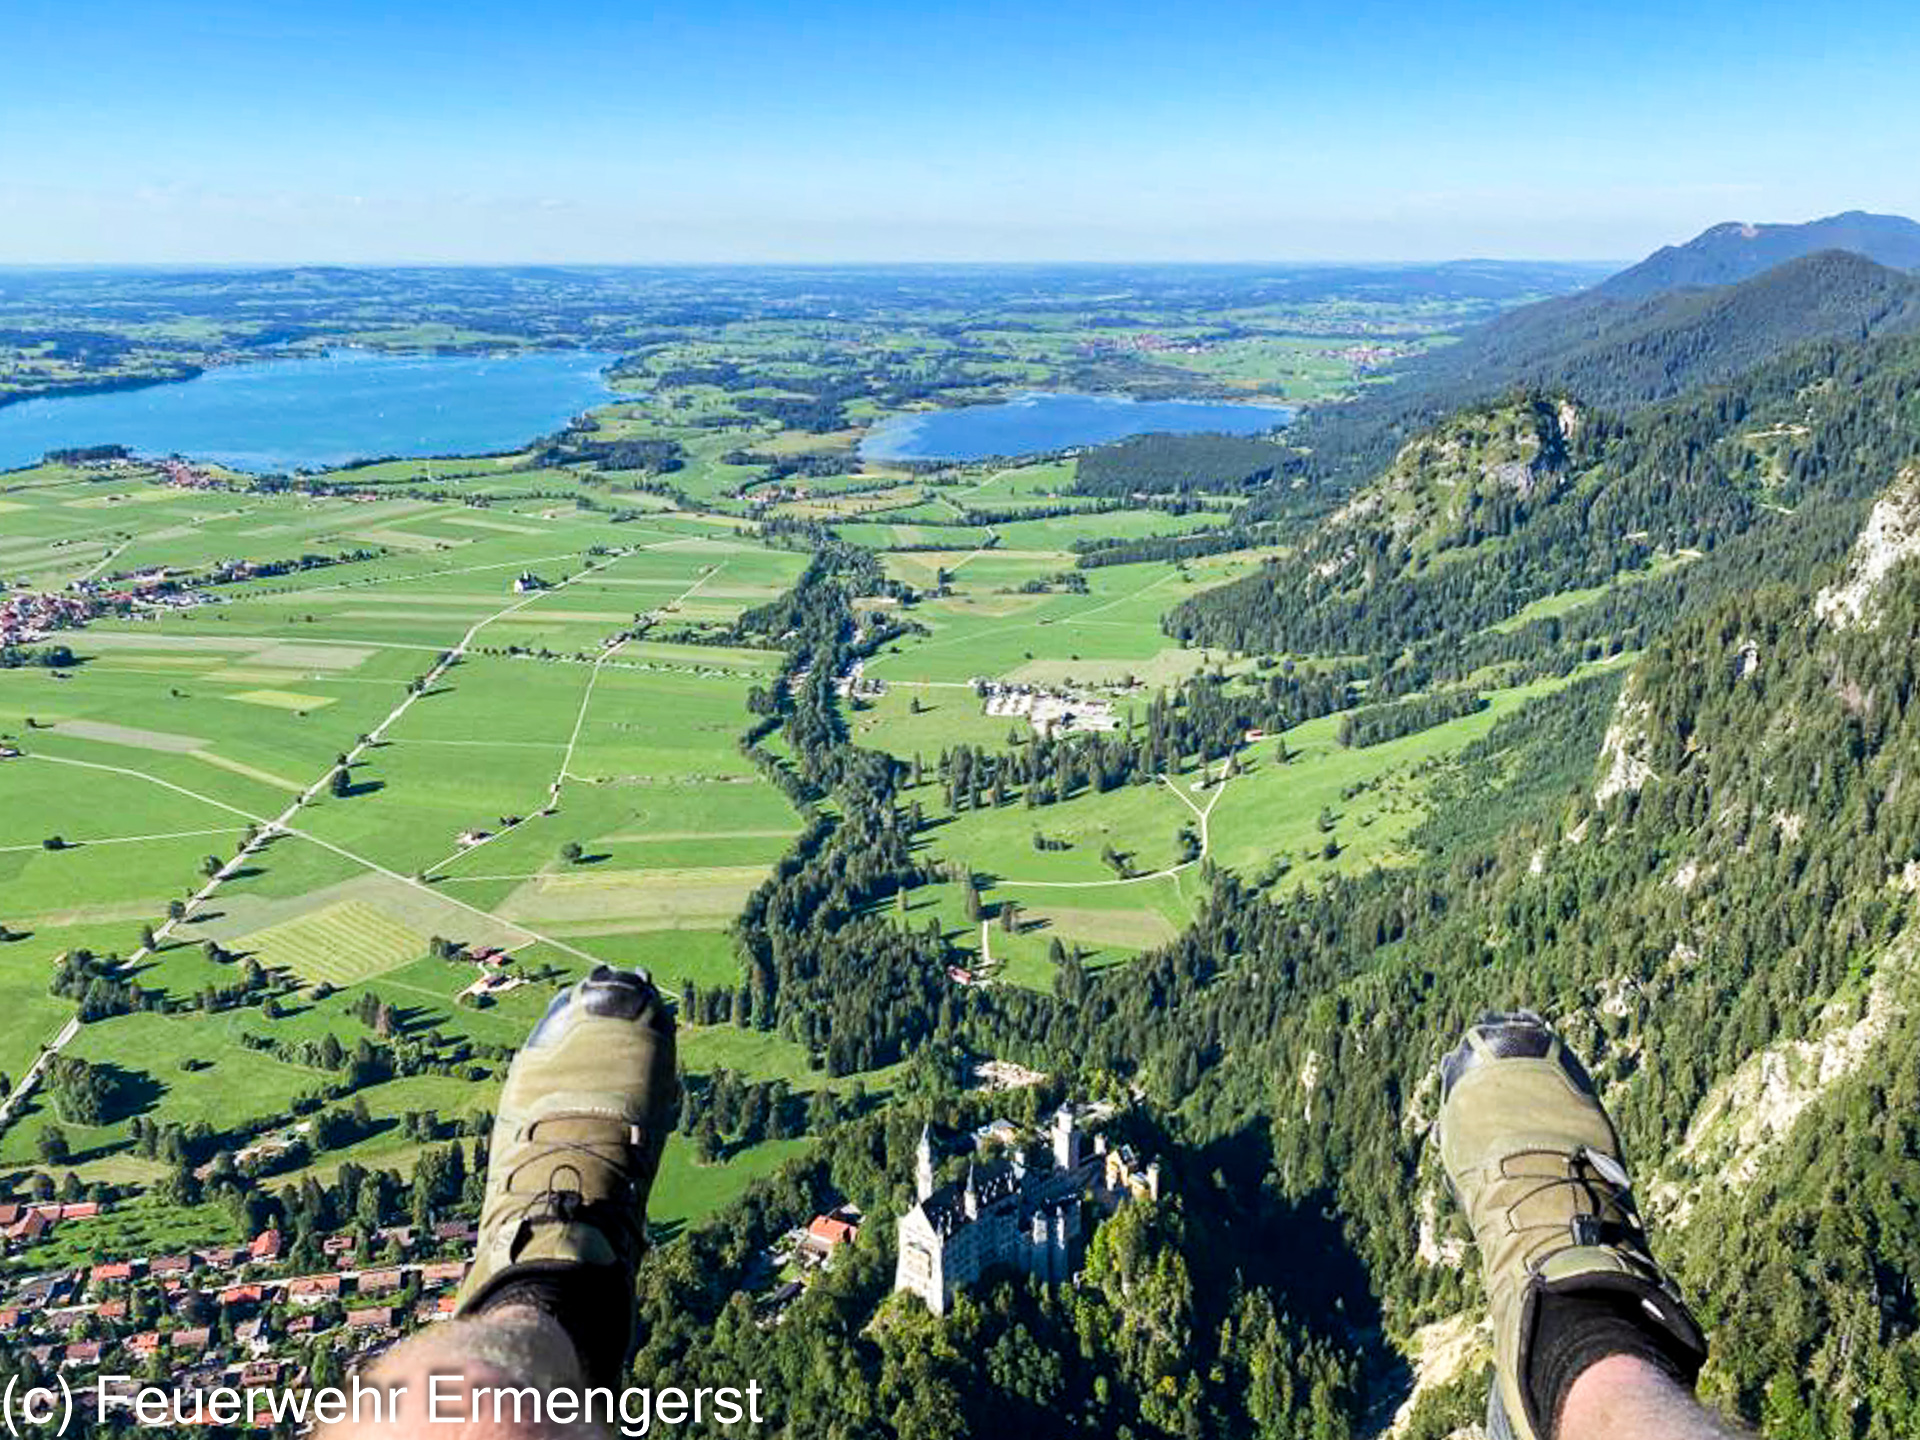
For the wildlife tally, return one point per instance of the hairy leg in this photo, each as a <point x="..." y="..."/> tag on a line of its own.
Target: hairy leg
<point x="1624" y="1398"/>
<point x="452" y="1372"/>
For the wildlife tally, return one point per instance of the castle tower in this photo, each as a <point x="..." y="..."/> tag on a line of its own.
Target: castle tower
<point x="970" y="1197"/>
<point x="923" y="1164"/>
<point x="1066" y="1140"/>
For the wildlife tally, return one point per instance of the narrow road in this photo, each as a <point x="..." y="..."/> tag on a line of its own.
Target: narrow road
<point x="74" y="844"/>
<point x="282" y="823"/>
<point x="32" y="1077"/>
<point x="106" y="559"/>
<point x="1206" y="844"/>
<point x="607" y="652"/>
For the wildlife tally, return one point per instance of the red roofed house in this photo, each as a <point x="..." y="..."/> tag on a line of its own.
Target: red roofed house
<point x="826" y="1234"/>
<point x="443" y="1272"/>
<point x="832" y="1231"/>
<point x="82" y="1352"/>
<point x="145" y="1343"/>
<point x="265" y="1246"/>
<point x="379" y="1282"/>
<point x="195" y="1339"/>
<point x="243" y="1295"/>
<point x="170" y="1265"/>
<point x="115" y="1270"/>
<point x="312" y="1289"/>
<point x="373" y="1318"/>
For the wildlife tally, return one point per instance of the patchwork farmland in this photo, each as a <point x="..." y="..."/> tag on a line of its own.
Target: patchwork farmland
<point x="487" y="736"/>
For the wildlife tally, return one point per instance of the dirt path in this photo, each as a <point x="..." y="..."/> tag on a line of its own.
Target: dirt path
<point x="1206" y="844"/>
<point x="607" y="652"/>
<point x="282" y="824"/>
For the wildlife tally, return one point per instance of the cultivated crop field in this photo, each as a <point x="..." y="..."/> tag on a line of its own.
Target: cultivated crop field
<point x="637" y="825"/>
<point x="541" y="711"/>
<point x="386" y="756"/>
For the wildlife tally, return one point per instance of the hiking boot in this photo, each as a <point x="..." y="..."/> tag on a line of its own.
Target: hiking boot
<point x="1535" y="1165"/>
<point x="586" y="1110"/>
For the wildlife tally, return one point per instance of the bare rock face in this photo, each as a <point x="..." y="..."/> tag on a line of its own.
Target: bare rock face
<point x="1891" y="536"/>
<point x="1746" y="1115"/>
<point x="1624" y="766"/>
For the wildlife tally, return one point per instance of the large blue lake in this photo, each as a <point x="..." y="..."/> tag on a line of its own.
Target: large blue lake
<point x="1040" y="422"/>
<point x="312" y="413"/>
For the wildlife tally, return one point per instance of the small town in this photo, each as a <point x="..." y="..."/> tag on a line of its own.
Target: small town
<point x="222" y="1316"/>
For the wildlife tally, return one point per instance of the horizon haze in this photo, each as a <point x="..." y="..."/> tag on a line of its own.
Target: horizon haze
<point x="359" y="134"/>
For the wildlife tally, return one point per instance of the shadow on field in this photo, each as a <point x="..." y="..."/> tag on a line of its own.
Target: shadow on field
<point x="409" y="1018"/>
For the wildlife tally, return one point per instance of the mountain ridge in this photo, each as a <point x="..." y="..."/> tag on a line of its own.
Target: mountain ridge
<point x="1636" y="340"/>
<point x="1736" y="250"/>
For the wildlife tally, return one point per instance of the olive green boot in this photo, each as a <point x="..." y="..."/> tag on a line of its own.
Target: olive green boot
<point x="1535" y="1164"/>
<point x="586" y="1110"/>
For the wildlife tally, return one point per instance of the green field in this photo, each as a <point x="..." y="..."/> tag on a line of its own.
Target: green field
<point x="572" y="789"/>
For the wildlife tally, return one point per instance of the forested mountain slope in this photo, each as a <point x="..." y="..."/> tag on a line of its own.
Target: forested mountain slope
<point x="1701" y="861"/>
<point x="1731" y="880"/>
<point x="1617" y="352"/>
<point x="1727" y="253"/>
<point x="1626" y="497"/>
<point x="1652" y="332"/>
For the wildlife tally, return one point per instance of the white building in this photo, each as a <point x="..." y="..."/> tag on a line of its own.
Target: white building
<point x="1010" y="1213"/>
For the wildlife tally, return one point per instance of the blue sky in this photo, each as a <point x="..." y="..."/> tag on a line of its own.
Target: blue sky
<point x="742" y="130"/>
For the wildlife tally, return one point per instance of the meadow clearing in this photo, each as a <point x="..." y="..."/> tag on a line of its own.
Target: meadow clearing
<point x="541" y="708"/>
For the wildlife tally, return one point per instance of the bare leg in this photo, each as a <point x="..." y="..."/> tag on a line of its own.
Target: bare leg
<point x="452" y="1373"/>
<point x="1625" y="1398"/>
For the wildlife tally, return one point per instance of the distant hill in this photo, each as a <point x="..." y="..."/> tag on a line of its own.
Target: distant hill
<point x="1635" y="340"/>
<point x="1730" y="253"/>
<point x="1619" y="353"/>
<point x="1511" y="502"/>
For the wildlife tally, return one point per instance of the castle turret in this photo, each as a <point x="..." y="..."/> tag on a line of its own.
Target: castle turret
<point x="923" y="1164"/>
<point x="1066" y="1140"/>
<point x="970" y="1197"/>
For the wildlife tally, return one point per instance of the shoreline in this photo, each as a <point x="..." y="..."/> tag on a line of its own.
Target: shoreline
<point x="912" y="421"/>
<point x="106" y="386"/>
<point x="603" y="363"/>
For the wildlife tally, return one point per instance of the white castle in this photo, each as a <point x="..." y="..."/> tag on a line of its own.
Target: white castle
<point x="1011" y="1214"/>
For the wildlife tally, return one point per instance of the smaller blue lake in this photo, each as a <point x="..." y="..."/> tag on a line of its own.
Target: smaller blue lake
<point x="312" y="413"/>
<point x="1041" y="422"/>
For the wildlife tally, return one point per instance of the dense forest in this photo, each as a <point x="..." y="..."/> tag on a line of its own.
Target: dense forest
<point x="1698" y="864"/>
<point x="1827" y="424"/>
<point x="1172" y="464"/>
<point x="1615" y="347"/>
